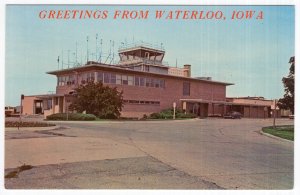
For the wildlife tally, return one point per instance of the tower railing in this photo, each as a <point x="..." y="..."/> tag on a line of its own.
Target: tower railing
<point x="144" y="61"/>
<point x="124" y="46"/>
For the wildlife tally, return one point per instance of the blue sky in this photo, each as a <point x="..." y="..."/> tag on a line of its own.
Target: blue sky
<point x="253" y="54"/>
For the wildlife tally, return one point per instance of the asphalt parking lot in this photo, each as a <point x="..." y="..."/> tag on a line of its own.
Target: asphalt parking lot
<point x="183" y="154"/>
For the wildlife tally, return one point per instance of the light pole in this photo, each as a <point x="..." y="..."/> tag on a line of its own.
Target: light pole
<point x="174" y="107"/>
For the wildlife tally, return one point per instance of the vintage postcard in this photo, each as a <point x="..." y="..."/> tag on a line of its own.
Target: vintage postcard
<point x="149" y="97"/>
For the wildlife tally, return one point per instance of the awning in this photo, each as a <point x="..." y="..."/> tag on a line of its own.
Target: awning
<point x="203" y="101"/>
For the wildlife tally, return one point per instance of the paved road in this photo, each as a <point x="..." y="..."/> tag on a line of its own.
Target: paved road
<point x="188" y="154"/>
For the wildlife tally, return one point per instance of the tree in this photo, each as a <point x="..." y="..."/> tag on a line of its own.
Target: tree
<point x="95" y="98"/>
<point x="287" y="102"/>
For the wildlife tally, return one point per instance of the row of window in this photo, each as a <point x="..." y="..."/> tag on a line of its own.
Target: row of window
<point x="112" y="78"/>
<point x="66" y="80"/>
<point x="141" y="102"/>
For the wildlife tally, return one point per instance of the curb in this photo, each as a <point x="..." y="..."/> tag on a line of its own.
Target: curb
<point x="32" y="128"/>
<point x="275" y="137"/>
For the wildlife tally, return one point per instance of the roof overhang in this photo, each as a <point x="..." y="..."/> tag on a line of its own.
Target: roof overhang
<point x="107" y="67"/>
<point x="47" y="96"/>
<point x="202" y="101"/>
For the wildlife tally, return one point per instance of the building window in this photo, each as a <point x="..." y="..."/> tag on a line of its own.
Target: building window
<point x="118" y="79"/>
<point x="49" y="104"/>
<point x="100" y="77"/>
<point x="106" y="77"/>
<point x="142" y="102"/>
<point x="156" y="83"/>
<point x="162" y="83"/>
<point x="152" y="84"/>
<point x="59" y="81"/>
<point x="142" y="81"/>
<point x="70" y="80"/>
<point x="113" y="78"/>
<point x="130" y="80"/>
<point x="137" y="81"/>
<point x="124" y="80"/>
<point x="147" y="68"/>
<point x="90" y="77"/>
<point x="148" y="82"/>
<point x="84" y="78"/>
<point x="186" y="88"/>
<point x="63" y="80"/>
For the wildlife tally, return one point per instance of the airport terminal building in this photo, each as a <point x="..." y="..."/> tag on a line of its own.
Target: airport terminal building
<point x="149" y="85"/>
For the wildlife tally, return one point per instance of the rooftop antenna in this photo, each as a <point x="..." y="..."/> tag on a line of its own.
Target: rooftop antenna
<point x="68" y="58"/>
<point x="87" y="48"/>
<point x="81" y="56"/>
<point x="76" y="54"/>
<point x="96" y="45"/>
<point x="100" y="51"/>
<point x="62" y="60"/>
<point x="74" y="62"/>
<point x="113" y="52"/>
<point x="109" y="52"/>
<point x="58" y="63"/>
<point x="176" y="62"/>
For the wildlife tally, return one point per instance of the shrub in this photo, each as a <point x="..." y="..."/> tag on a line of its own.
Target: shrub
<point x="168" y="114"/>
<point x="72" y="117"/>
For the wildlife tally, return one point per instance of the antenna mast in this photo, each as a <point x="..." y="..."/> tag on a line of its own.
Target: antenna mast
<point x="87" y="48"/>
<point x="58" y="63"/>
<point x="62" y="60"/>
<point x="76" y="54"/>
<point x="96" y="46"/>
<point x="113" y="54"/>
<point x="109" y="52"/>
<point x="100" y="50"/>
<point x="68" y="58"/>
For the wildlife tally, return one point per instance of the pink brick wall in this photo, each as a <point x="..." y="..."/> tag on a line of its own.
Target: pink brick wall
<point x="172" y="92"/>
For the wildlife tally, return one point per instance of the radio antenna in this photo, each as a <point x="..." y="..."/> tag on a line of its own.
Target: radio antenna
<point x="96" y="46"/>
<point x="113" y="52"/>
<point x="87" y="48"/>
<point x="76" y="55"/>
<point x="58" y="63"/>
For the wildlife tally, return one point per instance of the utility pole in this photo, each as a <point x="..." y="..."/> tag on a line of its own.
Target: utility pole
<point x="21" y="111"/>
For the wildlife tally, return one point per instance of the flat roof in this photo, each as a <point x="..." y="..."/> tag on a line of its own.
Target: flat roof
<point x="49" y="95"/>
<point x="116" y="68"/>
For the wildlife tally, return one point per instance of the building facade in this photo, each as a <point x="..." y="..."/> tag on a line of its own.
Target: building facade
<point x="149" y="85"/>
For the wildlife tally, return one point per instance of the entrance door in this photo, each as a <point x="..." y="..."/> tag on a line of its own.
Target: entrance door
<point x="38" y="107"/>
<point x="203" y="112"/>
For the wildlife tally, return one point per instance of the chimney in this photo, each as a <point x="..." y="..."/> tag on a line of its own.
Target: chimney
<point x="187" y="71"/>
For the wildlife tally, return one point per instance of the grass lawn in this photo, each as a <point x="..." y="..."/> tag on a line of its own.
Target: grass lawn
<point x="285" y="132"/>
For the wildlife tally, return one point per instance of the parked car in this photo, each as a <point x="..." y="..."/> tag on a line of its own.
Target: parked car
<point x="233" y="115"/>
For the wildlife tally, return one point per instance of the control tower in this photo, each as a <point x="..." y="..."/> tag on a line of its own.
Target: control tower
<point x="143" y="57"/>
